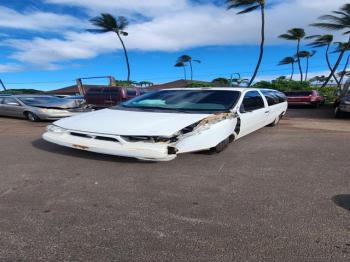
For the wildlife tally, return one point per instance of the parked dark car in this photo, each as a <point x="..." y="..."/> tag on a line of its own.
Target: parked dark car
<point x="342" y="103"/>
<point x="102" y="97"/>
<point x="312" y="98"/>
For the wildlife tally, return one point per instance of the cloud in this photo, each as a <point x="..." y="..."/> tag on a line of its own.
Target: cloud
<point x="172" y="25"/>
<point x="149" y="8"/>
<point x="9" y="68"/>
<point x="40" y="21"/>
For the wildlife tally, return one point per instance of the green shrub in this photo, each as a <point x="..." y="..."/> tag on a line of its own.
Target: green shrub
<point x="290" y="85"/>
<point x="199" y="84"/>
<point x="21" y="91"/>
<point x="284" y="85"/>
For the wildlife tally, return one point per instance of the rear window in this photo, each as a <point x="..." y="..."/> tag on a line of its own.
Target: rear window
<point x="298" y="93"/>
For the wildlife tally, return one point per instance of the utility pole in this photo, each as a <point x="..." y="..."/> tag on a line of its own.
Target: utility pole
<point x="2" y="84"/>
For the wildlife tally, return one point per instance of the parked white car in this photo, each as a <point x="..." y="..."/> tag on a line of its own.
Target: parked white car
<point x="160" y="125"/>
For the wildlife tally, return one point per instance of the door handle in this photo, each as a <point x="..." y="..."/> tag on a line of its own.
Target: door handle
<point x="266" y="112"/>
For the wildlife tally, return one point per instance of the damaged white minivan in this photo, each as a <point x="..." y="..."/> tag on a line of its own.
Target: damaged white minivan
<point x="160" y="125"/>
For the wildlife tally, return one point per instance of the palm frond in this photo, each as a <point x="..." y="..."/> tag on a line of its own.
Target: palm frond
<point x="179" y="64"/>
<point x="184" y="59"/>
<point x="331" y="26"/>
<point x="108" y="23"/>
<point x="287" y="60"/>
<point x="249" y="9"/>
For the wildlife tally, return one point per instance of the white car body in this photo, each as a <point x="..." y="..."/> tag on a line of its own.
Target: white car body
<point x="118" y="132"/>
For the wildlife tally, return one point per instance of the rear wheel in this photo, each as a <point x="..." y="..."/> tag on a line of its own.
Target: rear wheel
<point x="276" y="121"/>
<point x="32" y="117"/>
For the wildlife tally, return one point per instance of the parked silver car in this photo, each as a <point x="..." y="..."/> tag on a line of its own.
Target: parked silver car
<point x="38" y="107"/>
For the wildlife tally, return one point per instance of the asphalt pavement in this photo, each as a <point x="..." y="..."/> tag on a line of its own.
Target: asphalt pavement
<point x="279" y="194"/>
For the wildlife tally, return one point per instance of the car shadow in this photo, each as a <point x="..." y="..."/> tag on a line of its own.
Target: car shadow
<point x="61" y="150"/>
<point x="342" y="201"/>
<point x="325" y="112"/>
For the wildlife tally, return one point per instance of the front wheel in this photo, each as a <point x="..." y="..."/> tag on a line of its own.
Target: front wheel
<point x="221" y="146"/>
<point x="32" y="117"/>
<point x="338" y="113"/>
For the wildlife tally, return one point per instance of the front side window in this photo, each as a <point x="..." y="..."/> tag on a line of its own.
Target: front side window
<point x="10" y="101"/>
<point x="209" y="101"/>
<point x="252" y="101"/>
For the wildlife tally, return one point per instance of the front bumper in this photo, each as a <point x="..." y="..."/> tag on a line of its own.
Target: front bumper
<point x="139" y="150"/>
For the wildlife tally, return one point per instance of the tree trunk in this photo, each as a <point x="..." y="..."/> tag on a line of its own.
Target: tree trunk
<point x="307" y="68"/>
<point x="191" y="70"/>
<point x="262" y="43"/>
<point x="291" y="76"/>
<point x="185" y="72"/>
<point x="334" y="69"/>
<point x="299" y="62"/>
<point x="346" y="65"/>
<point x="126" y="57"/>
<point x="329" y="64"/>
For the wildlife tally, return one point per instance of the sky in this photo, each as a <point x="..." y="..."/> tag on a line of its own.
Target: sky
<point x="44" y="43"/>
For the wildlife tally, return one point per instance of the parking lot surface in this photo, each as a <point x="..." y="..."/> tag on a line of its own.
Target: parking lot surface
<point x="279" y="194"/>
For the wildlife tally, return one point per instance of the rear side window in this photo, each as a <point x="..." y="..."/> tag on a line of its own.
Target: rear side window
<point x="274" y="97"/>
<point x="282" y="97"/>
<point x="252" y="101"/>
<point x="131" y="91"/>
<point x="271" y="97"/>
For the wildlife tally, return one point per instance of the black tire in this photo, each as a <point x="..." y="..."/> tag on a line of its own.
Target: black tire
<point x="338" y="113"/>
<point x="31" y="117"/>
<point x="317" y="105"/>
<point x="221" y="146"/>
<point x="275" y="122"/>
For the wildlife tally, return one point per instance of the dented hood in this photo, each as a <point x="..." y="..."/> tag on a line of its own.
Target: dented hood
<point x="130" y="123"/>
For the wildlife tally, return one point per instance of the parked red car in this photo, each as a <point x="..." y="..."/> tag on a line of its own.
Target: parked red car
<point x="107" y="96"/>
<point x="313" y="98"/>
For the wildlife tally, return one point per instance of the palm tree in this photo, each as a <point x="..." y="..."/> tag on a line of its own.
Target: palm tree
<point x="108" y="23"/>
<point x="296" y="34"/>
<point x="249" y="6"/>
<point x="307" y="55"/>
<point x="318" y="79"/>
<point x="339" y="20"/>
<point x="342" y="74"/>
<point x="342" y="47"/>
<point x="289" y="60"/>
<point x="183" y="65"/>
<point x="321" y="41"/>
<point x="188" y="59"/>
